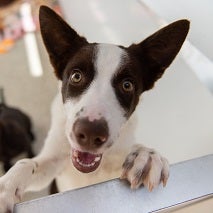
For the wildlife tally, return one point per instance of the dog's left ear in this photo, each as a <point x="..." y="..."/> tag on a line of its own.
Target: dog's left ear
<point x="157" y="52"/>
<point x="60" y="39"/>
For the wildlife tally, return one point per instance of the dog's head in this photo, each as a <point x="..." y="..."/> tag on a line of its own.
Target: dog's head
<point x="102" y="83"/>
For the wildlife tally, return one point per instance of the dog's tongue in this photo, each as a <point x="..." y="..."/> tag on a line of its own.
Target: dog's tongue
<point x="86" y="157"/>
<point x="85" y="162"/>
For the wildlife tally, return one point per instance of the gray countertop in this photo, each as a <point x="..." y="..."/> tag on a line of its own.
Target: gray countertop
<point x="189" y="181"/>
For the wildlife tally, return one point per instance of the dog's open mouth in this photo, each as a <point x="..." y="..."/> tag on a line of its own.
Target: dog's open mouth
<point x="85" y="162"/>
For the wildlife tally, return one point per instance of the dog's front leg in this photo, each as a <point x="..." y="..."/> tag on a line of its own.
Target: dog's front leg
<point x="145" y="166"/>
<point x="25" y="175"/>
<point x="14" y="182"/>
<point x="33" y="174"/>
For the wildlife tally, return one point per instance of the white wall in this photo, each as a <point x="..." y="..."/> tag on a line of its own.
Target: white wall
<point x="176" y="117"/>
<point x="200" y="13"/>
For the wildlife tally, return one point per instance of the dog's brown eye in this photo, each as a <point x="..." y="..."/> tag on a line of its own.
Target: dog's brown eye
<point x="127" y="86"/>
<point x="76" y="76"/>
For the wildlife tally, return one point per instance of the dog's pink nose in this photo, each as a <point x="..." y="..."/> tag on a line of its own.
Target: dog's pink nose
<point x="91" y="134"/>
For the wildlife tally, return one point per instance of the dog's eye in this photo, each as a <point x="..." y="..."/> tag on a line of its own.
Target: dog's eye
<point x="127" y="86"/>
<point x="76" y="76"/>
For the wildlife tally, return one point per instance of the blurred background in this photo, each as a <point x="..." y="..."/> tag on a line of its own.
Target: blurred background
<point x="180" y="108"/>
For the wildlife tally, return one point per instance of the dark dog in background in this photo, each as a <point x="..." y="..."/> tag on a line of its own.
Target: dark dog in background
<point x="15" y="133"/>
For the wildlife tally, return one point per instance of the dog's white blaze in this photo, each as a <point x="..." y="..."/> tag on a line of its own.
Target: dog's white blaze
<point x="99" y="100"/>
<point x="108" y="59"/>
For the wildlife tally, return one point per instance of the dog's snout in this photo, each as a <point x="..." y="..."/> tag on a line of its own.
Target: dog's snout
<point x="91" y="134"/>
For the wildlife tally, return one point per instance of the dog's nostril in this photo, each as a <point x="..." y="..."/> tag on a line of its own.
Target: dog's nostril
<point x="99" y="141"/>
<point x="81" y="136"/>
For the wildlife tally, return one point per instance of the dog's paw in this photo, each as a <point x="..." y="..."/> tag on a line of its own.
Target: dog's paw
<point x="145" y="166"/>
<point x="8" y="197"/>
<point x="10" y="192"/>
<point x="6" y="203"/>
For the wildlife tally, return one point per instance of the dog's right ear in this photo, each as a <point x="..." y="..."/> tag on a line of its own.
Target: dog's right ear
<point x="158" y="51"/>
<point x="60" y="39"/>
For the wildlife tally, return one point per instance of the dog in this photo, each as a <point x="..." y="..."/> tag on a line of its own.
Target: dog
<point x="16" y="135"/>
<point x="91" y="134"/>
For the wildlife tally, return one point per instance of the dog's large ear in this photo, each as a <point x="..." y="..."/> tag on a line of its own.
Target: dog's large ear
<point x="158" y="51"/>
<point x="60" y="39"/>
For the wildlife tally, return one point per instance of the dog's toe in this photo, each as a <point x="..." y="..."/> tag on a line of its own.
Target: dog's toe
<point x="165" y="171"/>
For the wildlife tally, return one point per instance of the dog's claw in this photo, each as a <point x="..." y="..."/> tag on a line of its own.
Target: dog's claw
<point x="165" y="171"/>
<point x="135" y="184"/>
<point x="145" y="166"/>
<point x="165" y="181"/>
<point x="123" y="175"/>
<point x="150" y="187"/>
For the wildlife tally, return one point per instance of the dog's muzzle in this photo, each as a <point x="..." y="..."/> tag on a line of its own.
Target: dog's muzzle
<point x="90" y="136"/>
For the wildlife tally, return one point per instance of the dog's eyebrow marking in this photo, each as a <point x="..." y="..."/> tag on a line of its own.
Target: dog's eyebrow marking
<point x="84" y="61"/>
<point x="108" y="59"/>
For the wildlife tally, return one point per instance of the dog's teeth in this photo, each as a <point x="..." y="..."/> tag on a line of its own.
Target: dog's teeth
<point x="75" y="153"/>
<point x="85" y="165"/>
<point x="97" y="159"/>
<point x="91" y="164"/>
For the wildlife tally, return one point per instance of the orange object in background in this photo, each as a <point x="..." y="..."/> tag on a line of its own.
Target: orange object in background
<point x="12" y="22"/>
<point x="6" y="45"/>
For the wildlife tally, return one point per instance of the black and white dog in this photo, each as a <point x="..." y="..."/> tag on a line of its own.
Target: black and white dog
<point x="91" y="135"/>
